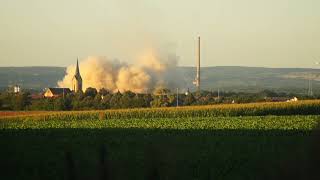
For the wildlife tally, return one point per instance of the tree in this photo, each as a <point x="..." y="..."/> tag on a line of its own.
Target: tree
<point x="105" y="101"/>
<point x="160" y="101"/>
<point x="189" y="100"/>
<point x="67" y="100"/>
<point x="20" y="101"/>
<point x="87" y="103"/>
<point x="6" y="100"/>
<point x="1" y="96"/>
<point x="0" y="103"/>
<point x="161" y="91"/>
<point x="103" y="92"/>
<point x="58" y="104"/>
<point x="172" y="100"/>
<point x="139" y="100"/>
<point x="97" y="102"/>
<point x="41" y="105"/>
<point x="115" y="100"/>
<point x="126" y="100"/>
<point x="147" y="98"/>
<point x="161" y="98"/>
<point x="92" y="92"/>
<point x="77" y="100"/>
<point x="129" y="94"/>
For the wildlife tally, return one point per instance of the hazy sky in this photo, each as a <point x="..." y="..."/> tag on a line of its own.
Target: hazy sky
<point x="269" y="33"/>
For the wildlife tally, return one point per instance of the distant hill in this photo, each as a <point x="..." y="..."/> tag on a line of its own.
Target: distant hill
<point x="31" y="77"/>
<point x="226" y="78"/>
<point x="233" y="78"/>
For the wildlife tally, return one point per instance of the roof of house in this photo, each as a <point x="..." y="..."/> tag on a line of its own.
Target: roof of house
<point x="58" y="91"/>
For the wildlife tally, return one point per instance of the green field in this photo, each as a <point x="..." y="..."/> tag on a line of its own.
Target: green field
<point x="248" y="147"/>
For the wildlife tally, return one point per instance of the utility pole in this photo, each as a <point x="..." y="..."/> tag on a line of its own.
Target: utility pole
<point x="316" y="63"/>
<point x="177" y="97"/>
<point x="310" y="91"/>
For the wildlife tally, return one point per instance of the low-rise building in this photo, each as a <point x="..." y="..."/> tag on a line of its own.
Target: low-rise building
<point x="16" y="89"/>
<point x="56" y="92"/>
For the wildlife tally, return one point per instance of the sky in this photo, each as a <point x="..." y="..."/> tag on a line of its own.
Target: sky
<point x="264" y="33"/>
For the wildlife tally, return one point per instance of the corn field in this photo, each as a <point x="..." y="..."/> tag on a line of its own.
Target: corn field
<point x="156" y="148"/>
<point x="226" y="110"/>
<point x="238" y="141"/>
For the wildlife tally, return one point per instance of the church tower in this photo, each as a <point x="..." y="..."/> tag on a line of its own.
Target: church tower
<point x="77" y="80"/>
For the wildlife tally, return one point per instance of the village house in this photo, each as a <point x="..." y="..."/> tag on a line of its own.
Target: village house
<point x="56" y="92"/>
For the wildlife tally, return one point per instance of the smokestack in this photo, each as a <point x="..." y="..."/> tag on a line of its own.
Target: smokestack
<point x="197" y="80"/>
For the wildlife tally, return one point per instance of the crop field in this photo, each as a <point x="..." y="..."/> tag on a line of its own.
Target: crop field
<point x="308" y="107"/>
<point x="21" y="113"/>
<point x="266" y="141"/>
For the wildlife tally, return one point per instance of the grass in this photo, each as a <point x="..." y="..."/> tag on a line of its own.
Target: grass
<point x="259" y="147"/>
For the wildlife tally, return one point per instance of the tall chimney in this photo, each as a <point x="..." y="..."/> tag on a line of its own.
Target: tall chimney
<point x="198" y="65"/>
<point x="197" y="80"/>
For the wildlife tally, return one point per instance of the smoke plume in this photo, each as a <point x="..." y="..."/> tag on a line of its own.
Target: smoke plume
<point x="101" y="72"/>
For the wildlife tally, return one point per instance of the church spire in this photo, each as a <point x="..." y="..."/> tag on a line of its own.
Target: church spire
<point x="77" y="80"/>
<point x="77" y="68"/>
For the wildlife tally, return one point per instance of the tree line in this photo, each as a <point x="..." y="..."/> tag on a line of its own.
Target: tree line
<point x="92" y="99"/>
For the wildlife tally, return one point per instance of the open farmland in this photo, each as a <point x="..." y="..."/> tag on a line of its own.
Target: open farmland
<point x="208" y="142"/>
<point x="22" y="113"/>
<point x="308" y="107"/>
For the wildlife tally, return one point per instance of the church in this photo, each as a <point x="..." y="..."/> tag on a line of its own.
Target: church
<point x="76" y="86"/>
<point x="77" y="80"/>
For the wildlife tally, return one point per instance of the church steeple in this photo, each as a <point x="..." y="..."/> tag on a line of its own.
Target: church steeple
<point x="77" y="69"/>
<point x="77" y="80"/>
